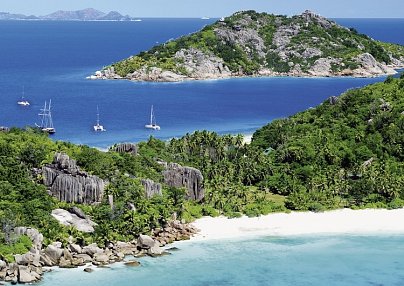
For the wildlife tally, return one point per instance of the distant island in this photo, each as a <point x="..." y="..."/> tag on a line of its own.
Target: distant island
<point x="259" y="44"/>
<point x="88" y="14"/>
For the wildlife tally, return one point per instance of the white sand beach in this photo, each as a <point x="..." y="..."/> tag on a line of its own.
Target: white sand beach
<point x="345" y="221"/>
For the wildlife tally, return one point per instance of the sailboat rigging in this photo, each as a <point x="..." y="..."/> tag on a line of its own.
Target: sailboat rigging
<point x="152" y="124"/>
<point x="46" y="119"/>
<point x="23" y="102"/>
<point x="99" y="127"/>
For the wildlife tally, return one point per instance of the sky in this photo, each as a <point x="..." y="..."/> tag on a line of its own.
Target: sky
<point x="213" y="8"/>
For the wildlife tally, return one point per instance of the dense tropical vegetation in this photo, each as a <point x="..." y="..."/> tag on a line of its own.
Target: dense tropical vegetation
<point x="347" y="152"/>
<point x="285" y="44"/>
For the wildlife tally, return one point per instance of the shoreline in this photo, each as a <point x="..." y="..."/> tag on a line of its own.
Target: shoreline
<point x="343" y="221"/>
<point x="115" y="77"/>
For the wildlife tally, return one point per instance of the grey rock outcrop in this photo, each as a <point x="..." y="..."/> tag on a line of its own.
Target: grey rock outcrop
<point x="78" y="212"/>
<point x="35" y="236"/>
<point x="26" y="275"/>
<point x="322" y="66"/>
<point x="200" y="64"/>
<point x="178" y="176"/>
<point x="312" y="17"/>
<point x="155" y="74"/>
<point x="28" y="258"/>
<point x="66" y="218"/>
<point x="247" y="38"/>
<point x="53" y="253"/>
<point x="125" y="148"/>
<point x="3" y="264"/>
<point x="69" y="184"/>
<point x="75" y="248"/>
<point x="91" y="249"/>
<point x="145" y="241"/>
<point x="333" y="100"/>
<point x="371" y="67"/>
<point x="151" y="188"/>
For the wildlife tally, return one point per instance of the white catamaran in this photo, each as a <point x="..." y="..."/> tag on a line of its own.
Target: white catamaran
<point x="99" y="127"/>
<point x="152" y="124"/>
<point x="23" y="102"/>
<point x="46" y="119"/>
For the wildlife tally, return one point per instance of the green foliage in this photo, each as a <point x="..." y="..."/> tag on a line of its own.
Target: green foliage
<point x="20" y="246"/>
<point x="343" y="154"/>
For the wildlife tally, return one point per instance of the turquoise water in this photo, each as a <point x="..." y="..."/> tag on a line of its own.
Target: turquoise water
<point x="307" y="260"/>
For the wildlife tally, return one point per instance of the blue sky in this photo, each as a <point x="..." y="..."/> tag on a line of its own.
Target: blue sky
<point x="213" y="8"/>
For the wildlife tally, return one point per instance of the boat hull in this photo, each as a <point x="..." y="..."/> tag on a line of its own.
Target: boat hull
<point x="99" y="128"/>
<point x="23" y="103"/>
<point x="49" y="130"/>
<point x="152" y="126"/>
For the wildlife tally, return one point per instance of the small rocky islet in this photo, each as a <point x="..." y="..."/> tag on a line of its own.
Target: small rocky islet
<point x="248" y="43"/>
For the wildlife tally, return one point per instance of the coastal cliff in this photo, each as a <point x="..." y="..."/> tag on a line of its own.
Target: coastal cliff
<point x="260" y="44"/>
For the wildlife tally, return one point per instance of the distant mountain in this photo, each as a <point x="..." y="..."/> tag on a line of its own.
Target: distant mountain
<point x="9" y="16"/>
<point x="88" y="14"/>
<point x="114" y="16"/>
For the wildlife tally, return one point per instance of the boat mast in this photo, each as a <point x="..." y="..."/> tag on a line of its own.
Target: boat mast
<point x="43" y="120"/>
<point x="151" y="115"/>
<point x="98" y="116"/>
<point x="49" y="115"/>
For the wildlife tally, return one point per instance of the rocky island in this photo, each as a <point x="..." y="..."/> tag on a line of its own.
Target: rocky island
<point x="260" y="44"/>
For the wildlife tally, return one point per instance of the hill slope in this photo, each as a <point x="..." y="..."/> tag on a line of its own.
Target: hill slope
<point x="251" y="43"/>
<point x="348" y="150"/>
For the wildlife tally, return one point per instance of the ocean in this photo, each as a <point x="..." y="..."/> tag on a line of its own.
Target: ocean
<point x="50" y="60"/>
<point x="306" y="260"/>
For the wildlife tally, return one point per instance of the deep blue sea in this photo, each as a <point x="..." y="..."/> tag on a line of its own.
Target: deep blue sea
<point x="51" y="60"/>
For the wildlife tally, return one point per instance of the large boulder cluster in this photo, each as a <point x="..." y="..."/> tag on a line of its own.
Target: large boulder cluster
<point x="28" y="267"/>
<point x="189" y="178"/>
<point x="69" y="184"/>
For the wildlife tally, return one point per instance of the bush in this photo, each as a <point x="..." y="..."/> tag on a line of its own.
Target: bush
<point x="21" y="246"/>
<point x="209" y="211"/>
<point x="396" y="204"/>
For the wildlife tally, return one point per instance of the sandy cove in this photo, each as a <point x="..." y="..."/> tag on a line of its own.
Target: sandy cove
<point x="344" y="221"/>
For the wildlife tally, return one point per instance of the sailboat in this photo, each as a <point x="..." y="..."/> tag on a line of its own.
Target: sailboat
<point x="23" y="102"/>
<point x="98" y="127"/>
<point x="152" y="124"/>
<point x="46" y="119"/>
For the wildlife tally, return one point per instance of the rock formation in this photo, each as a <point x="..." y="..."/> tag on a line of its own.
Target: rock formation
<point x="125" y="148"/>
<point x="200" y="64"/>
<point x="72" y="219"/>
<point x="151" y="188"/>
<point x="178" y="176"/>
<point x="35" y="236"/>
<point x="28" y="267"/>
<point x="69" y="184"/>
